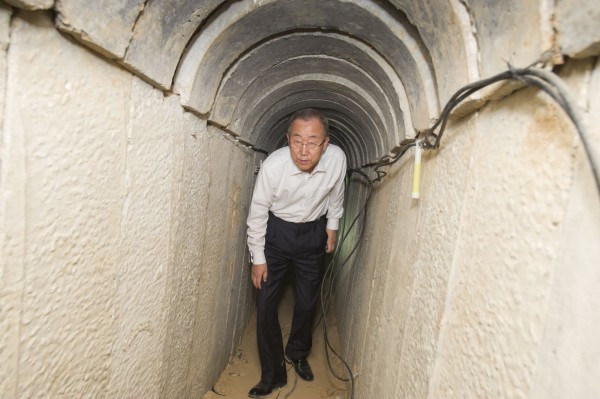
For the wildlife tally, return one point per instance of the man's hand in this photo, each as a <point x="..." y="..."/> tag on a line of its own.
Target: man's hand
<point x="259" y="274"/>
<point x="331" y="237"/>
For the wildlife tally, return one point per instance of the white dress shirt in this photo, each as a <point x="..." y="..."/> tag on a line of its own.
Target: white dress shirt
<point x="294" y="195"/>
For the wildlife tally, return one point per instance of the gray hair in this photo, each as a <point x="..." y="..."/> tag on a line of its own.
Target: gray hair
<point x="307" y="114"/>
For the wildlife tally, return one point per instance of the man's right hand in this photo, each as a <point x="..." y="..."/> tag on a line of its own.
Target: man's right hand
<point x="259" y="274"/>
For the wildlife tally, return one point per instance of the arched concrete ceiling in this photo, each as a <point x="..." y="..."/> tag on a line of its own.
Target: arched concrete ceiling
<point x="352" y="127"/>
<point x="246" y="24"/>
<point x="446" y="30"/>
<point x="357" y="56"/>
<point x="277" y="52"/>
<point x="164" y="30"/>
<point x="247" y="65"/>
<point x="379" y="68"/>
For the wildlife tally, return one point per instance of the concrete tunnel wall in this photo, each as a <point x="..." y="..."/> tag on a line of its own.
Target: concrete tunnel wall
<point x="127" y="168"/>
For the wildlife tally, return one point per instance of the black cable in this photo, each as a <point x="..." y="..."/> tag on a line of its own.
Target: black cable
<point x="336" y="253"/>
<point x="546" y="81"/>
<point x="389" y="160"/>
<point x="327" y="295"/>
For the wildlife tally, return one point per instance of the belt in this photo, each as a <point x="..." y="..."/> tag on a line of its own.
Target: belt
<point x="271" y="214"/>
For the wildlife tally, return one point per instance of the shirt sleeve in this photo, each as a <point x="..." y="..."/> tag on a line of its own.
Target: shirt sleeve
<point x="258" y="214"/>
<point x="336" y="198"/>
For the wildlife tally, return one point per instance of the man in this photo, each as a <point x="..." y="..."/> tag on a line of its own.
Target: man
<point x="294" y="216"/>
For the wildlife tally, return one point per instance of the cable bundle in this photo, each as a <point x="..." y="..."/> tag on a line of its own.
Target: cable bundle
<point x="430" y="139"/>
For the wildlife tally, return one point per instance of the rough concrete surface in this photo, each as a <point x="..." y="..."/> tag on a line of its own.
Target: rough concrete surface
<point x="188" y="213"/>
<point x="105" y="25"/>
<point x="66" y="135"/>
<point x="499" y="26"/>
<point x="435" y="253"/>
<point x="222" y="260"/>
<point x="161" y="35"/>
<point x="445" y="28"/>
<point x="11" y="223"/>
<point x="123" y="264"/>
<point x="105" y="220"/>
<point x="32" y="4"/>
<point x="5" y="16"/>
<point x="152" y="155"/>
<point x="467" y="315"/>
<point x="569" y="338"/>
<point x="578" y="28"/>
<point x="505" y="253"/>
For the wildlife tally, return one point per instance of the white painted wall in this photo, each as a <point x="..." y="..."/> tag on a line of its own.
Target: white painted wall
<point x="118" y="210"/>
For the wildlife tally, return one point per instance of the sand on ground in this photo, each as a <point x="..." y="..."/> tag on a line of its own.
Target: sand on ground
<point x="243" y="371"/>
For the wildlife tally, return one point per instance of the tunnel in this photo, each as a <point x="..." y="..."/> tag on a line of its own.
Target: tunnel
<point x="132" y="132"/>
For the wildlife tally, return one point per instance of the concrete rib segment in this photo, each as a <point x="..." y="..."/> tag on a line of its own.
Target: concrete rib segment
<point x="231" y="34"/>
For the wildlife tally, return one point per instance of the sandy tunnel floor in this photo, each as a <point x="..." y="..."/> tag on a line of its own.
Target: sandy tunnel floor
<point x="243" y="371"/>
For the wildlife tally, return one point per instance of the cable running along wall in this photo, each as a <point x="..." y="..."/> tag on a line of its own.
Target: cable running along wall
<point x="430" y="139"/>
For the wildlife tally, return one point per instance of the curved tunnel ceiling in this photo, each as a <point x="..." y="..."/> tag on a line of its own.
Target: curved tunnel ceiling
<point x="361" y="62"/>
<point x="379" y="69"/>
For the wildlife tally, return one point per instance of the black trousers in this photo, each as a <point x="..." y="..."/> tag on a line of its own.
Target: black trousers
<point x="301" y="245"/>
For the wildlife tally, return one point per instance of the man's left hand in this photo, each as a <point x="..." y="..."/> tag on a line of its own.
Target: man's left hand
<point x="331" y="237"/>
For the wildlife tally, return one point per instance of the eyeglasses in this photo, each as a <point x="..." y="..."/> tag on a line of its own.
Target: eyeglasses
<point x="311" y="145"/>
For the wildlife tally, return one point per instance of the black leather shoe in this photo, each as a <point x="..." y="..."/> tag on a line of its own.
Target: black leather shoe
<point x="262" y="389"/>
<point x="302" y="368"/>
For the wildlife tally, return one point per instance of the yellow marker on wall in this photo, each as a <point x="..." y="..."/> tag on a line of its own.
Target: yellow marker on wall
<point x="417" y="172"/>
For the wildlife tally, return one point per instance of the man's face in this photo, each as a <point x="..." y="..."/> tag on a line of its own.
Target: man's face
<point x="307" y="142"/>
